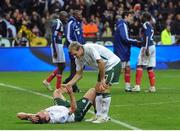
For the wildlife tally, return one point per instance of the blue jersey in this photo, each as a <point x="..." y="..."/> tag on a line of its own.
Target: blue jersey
<point x="57" y="32"/>
<point x="147" y="33"/>
<point x="74" y="31"/>
<point x="122" y="42"/>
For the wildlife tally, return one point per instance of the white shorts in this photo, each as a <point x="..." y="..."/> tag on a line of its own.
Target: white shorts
<point x="125" y="63"/>
<point x="60" y="54"/>
<point x="148" y="61"/>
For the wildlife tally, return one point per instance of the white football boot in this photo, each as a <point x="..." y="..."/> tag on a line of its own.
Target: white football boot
<point x="152" y="89"/>
<point x="136" y="88"/>
<point x="93" y="118"/>
<point x="47" y="85"/>
<point x="101" y="120"/>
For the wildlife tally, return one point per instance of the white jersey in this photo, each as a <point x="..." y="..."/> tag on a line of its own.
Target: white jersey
<point x="60" y="114"/>
<point x="94" y="52"/>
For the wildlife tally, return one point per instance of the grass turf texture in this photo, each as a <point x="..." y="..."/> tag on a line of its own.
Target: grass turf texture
<point x="146" y="111"/>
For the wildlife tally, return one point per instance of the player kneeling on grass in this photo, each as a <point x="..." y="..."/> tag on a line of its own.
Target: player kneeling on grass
<point x="62" y="111"/>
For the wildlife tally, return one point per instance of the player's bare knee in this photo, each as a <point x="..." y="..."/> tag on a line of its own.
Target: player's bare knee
<point x="91" y="93"/>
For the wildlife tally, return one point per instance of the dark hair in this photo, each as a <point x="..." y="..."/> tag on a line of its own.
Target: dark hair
<point x="146" y="16"/>
<point x="41" y="121"/>
<point x="126" y="13"/>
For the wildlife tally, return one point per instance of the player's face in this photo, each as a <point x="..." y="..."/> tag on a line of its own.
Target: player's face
<point x="78" y="15"/>
<point x="63" y="18"/>
<point x="130" y="18"/>
<point x="77" y="53"/>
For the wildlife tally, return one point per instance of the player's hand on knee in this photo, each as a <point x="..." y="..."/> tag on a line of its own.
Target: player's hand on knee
<point x="101" y="87"/>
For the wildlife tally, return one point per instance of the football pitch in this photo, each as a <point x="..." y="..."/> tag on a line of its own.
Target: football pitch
<point x="24" y="92"/>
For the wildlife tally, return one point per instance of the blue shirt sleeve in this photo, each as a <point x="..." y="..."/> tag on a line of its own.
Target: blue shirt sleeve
<point x="124" y="34"/>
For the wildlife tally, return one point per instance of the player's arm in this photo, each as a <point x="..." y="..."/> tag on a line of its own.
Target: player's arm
<point x="101" y="67"/>
<point x="147" y="38"/>
<point x="76" y="77"/>
<point x="54" y="35"/>
<point x="69" y="31"/>
<point x="125" y="35"/>
<point x="72" y="99"/>
<point x="28" y="116"/>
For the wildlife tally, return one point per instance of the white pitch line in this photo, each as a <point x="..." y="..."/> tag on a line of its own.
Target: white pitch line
<point x="50" y="97"/>
<point x="144" y="104"/>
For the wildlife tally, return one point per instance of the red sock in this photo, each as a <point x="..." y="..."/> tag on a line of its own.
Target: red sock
<point x="139" y="72"/>
<point x="52" y="75"/>
<point x="151" y="77"/>
<point x="58" y="82"/>
<point x="127" y="75"/>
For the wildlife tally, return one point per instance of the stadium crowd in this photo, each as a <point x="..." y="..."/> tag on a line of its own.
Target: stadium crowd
<point x="21" y="20"/>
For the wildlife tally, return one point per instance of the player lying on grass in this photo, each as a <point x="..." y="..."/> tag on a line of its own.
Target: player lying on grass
<point x="62" y="111"/>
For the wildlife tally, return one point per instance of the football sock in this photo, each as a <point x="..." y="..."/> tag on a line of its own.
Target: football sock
<point x="127" y="85"/>
<point x="151" y="77"/>
<point x="52" y="75"/>
<point x="58" y="82"/>
<point x="139" y="72"/>
<point x="98" y="104"/>
<point x="106" y="100"/>
<point x="127" y="75"/>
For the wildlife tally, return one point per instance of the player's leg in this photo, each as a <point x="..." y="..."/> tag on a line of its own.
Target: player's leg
<point x="48" y="80"/>
<point x="139" y="70"/>
<point x="60" y="60"/>
<point x="139" y="73"/>
<point x="127" y="76"/>
<point x="151" y="75"/>
<point x="61" y="67"/>
<point x="151" y="64"/>
<point x="90" y="95"/>
<point x="103" y="98"/>
<point x="59" y="98"/>
<point x="58" y="93"/>
<point x="84" y="104"/>
<point x="72" y="73"/>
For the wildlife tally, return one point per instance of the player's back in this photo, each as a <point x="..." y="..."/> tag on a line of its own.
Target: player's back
<point x="107" y="55"/>
<point x="148" y="33"/>
<point x="57" y="31"/>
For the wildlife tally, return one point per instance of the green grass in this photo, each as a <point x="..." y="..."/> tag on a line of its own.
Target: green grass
<point x="147" y="111"/>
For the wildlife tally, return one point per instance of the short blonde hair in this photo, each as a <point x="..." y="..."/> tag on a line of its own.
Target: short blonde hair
<point x="75" y="45"/>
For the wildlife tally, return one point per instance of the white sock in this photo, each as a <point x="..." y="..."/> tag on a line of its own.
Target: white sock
<point x="99" y="105"/>
<point x="106" y="104"/>
<point x="137" y="86"/>
<point x="127" y="85"/>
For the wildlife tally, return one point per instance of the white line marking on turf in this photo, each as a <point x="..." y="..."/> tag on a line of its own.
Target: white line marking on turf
<point x="121" y="123"/>
<point x="50" y="97"/>
<point x="22" y="89"/>
<point x="144" y="104"/>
